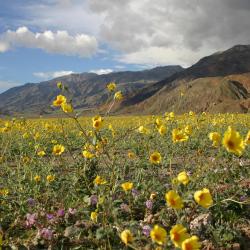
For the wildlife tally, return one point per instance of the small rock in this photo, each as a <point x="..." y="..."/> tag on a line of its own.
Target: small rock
<point x="71" y="231"/>
<point x="236" y="246"/>
<point x="200" y="222"/>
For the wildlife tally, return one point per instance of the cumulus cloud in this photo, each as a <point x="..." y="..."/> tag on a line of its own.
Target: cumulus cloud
<point x="59" y="42"/>
<point x="172" y="31"/>
<point x="50" y="75"/>
<point x="101" y="71"/>
<point x="175" y="31"/>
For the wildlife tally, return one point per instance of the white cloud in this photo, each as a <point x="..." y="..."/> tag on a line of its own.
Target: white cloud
<point x="59" y="42"/>
<point x="155" y="56"/>
<point x="4" y="46"/>
<point x="101" y="71"/>
<point x="50" y="75"/>
<point x="120" y="67"/>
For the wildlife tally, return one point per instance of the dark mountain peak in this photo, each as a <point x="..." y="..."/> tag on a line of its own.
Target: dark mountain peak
<point x="239" y="48"/>
<point x="235" y="60"/>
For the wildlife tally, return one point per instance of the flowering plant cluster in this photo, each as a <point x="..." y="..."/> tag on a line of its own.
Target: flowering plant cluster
<point x="141" y="182"/>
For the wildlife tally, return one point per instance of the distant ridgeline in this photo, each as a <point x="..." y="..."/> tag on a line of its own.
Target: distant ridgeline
<point x="216" y="83"/>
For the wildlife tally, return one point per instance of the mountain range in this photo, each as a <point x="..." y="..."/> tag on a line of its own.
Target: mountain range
<point x="216" y="83"/>
<point x="88" y="90"/>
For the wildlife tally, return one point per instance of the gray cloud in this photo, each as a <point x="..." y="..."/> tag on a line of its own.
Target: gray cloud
<point x="189" y="28"/>
<point x="146" y="32"/>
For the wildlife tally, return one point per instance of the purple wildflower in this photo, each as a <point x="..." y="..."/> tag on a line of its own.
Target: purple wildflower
<point x="243" y="198"/>
<point x="72" y="211"/>
<point x="31" y="201"/>
<point x="30" y="220"/>
<point x="135" y="192"/>
<point x="60" y="212"/>
<point x="146" y="230"/>
<point x="149" y="204"/>
<point x="46" y="233"/>
<point x="50" y="216"/>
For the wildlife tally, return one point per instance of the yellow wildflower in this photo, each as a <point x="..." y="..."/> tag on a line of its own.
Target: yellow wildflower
<point x="158" y="122"/>
<point x="41" y="153"/>
<point x="94" y="216"/>
<point x="58" y="149"/>
<point x="179" y="135"/>
<point x="233" y="142"/>
<point x="126" y="236"/>
<point x="37" y="178"/>
<point x="99" y="180"/>
<point x="88" y="155"/>
<point x="97" y="122"/>
<point x="178" y="234"/>
<point x="191" y="243"/>
<point x="4" y="192"/>
<point x="215" y="137"/>
<point x="171" y="115"/>
<point x="188" y="130"/>
<point x="126" y="186"/>
<point x="36" y="136"/>
<point x="50" y="178"/>
<point x="143" y="130"/>
<point x="60" y="99"/>
<point x="191" y="113"/>
<point x="26" y="159"/>
<point x="159" y="235"/>
<point x="203" y="198"/>
<point x="131" y="155"/>
<point x="162" y="130"/>
<point x="183" y="178"/>
<point x="118" y="96"/>
<point x="111" y="86"/>
<point x="174" y="200"/>
<point x="67" y="107"/>
<point x="155" y="158"/>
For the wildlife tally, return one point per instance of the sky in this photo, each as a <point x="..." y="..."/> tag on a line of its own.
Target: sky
<point x="40" y="40"/>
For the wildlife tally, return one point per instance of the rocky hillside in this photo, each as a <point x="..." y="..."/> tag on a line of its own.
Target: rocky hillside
<point x="88" y="90"/>
<point x="216" y="83"/>
<point x="209" y="94"/>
